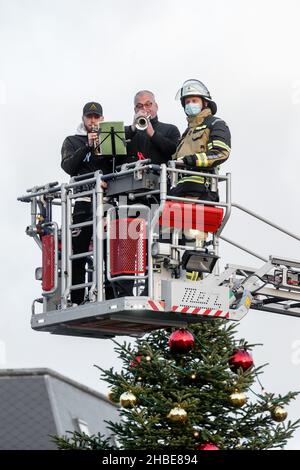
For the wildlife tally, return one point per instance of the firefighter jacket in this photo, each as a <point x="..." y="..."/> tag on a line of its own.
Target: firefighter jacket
<point x="204" y="145"/>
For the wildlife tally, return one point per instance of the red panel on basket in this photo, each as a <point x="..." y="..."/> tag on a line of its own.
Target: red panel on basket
<point x="128" y="246"/>
<point x="194" y="216"/>
<point x="48" y="250"/>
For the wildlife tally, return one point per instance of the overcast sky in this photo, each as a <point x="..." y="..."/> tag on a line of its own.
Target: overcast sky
<point x="56" y="55"/>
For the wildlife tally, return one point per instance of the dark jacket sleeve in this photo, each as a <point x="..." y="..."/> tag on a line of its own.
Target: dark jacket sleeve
<point x="129" y="133"/>
<point x="72" y="158"/>
<point x="166" y="143"/>
<point x="219" y="144"/>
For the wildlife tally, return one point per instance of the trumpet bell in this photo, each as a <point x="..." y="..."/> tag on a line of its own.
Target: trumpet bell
<point x="141" y="123"/>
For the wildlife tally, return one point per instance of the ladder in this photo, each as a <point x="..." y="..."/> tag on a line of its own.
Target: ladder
<point x="275" y="286"/>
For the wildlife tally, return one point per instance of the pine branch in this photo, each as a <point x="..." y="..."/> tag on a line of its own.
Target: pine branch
<point x="81" y="441"/>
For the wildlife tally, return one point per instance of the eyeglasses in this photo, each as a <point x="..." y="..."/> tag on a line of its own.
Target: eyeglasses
<point x="146" y="105"/>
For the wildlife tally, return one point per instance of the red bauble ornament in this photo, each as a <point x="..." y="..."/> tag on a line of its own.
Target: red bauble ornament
<point x="240" y="358"/>
<point x="135" y="362"/>
<point x="181" y="341"/>
<point x="207" y="446"/>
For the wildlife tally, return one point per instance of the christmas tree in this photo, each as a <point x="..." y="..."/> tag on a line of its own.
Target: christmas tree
<point x="191" y="389"/>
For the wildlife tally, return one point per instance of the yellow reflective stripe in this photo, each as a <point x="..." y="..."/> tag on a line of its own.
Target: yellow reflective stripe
<point x="202" y="159"/>
<point x="192" y="179"/>
<point x="200" y="127"/>
<point x="198" y="159"/>
<point x="193" y="275"/>
<point x="219" y="143"/>
<point x="224" y="146"/>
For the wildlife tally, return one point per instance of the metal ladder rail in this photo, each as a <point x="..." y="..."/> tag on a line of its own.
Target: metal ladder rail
<point x="277" y="299"/>
<point x="262" y="219"/>
<point x="67" y="226"/>
<point x="98" y="247"/>
<point x="31" y="197"/>
<point x="265" y="220"/>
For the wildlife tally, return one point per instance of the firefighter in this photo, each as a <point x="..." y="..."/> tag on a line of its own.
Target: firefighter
<point x="204" y="145"/>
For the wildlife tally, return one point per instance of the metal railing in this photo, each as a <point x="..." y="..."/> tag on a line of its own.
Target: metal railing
<point x="262" y="219"/>
<point x="68" y="195"/>
<point x="65" y="195"/>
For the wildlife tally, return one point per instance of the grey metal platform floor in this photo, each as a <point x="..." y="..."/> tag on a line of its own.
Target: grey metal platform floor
<point x="123" y="316"/>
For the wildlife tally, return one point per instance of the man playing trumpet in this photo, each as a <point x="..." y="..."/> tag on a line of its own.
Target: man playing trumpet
<point x="80" y="155"/>
<point x="157" y="141"/>
<point x="79" y="150"/>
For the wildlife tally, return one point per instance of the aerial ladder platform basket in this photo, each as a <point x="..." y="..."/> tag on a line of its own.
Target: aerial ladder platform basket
<point x="164" y="249"/>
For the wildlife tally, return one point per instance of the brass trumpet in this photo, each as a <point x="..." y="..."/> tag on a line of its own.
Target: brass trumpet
<point x="142" y="122"/>
<point x="97" y="150"/>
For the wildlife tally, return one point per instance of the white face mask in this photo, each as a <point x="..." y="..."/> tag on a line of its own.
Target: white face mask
<point x="192" y="109"/>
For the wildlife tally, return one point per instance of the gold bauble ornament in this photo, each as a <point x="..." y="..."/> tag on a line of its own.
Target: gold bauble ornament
<point x="193" y="376"/>
<point x="127" y="399"/>
<point x="177" y="415"/>
<point x="111" y="396"/>
<point x="237" y="399"/>
<point x="148" y="358"/>
<point x="278" y="413"/>
<point x="196" y="434"/>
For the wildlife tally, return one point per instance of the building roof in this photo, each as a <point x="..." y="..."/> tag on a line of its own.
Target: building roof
<point x="38" y="403"/>
<point x="46" y="371"/>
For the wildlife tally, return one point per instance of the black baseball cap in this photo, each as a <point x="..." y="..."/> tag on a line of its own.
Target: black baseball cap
<point x="92" y="108"/>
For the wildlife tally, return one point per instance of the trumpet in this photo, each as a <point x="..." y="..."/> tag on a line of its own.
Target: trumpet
<point x="142" y="122"/>
<point x="97" y="150"/>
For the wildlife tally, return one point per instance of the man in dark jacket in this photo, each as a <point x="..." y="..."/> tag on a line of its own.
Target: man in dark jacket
<point x="78" y="151"/>
<point x="158" y="141"/>
<point x="79" y="156"/>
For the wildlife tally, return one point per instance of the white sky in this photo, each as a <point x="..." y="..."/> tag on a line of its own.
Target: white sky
<point x="56" y="55"/>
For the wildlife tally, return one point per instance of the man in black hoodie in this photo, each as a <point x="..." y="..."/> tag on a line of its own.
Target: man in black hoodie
<point x="78" y="151"/>
<point x="159" y="141"/>
<point x="78" y="158"/>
